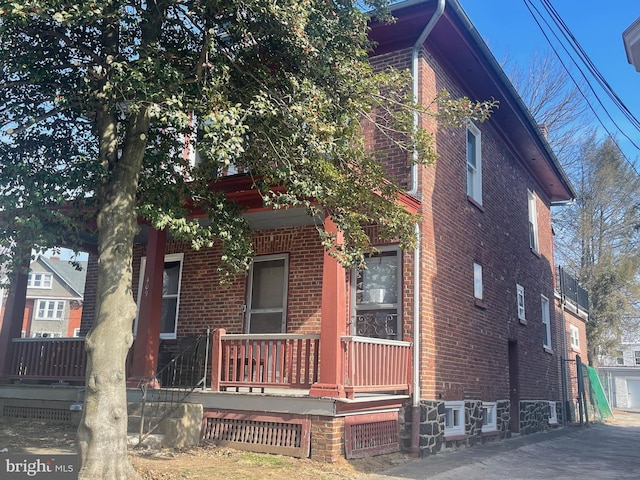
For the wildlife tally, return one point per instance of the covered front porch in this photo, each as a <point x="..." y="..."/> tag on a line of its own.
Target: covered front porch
<point x="314" y="364"/>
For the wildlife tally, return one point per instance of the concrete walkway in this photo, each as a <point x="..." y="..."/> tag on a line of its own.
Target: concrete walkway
<point x="601" y="451"/>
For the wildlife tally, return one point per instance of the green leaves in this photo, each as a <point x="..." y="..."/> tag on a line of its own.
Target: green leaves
<point x="281" y="90"/>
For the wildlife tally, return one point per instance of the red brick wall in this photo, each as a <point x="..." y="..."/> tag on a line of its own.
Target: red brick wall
<point x="465" y="348"/>
<point x="327" y="438"/>
<point x="204" y="302"/>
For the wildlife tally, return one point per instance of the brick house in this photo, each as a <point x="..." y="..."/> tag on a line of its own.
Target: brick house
<point x="55" y="291"/>
<point x="453" y="343"/>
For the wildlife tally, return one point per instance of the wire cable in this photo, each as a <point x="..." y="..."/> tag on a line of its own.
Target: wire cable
<point x="531" y="7"/>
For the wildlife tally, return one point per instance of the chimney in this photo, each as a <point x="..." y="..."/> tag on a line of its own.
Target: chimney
<point x="544" y="130"/>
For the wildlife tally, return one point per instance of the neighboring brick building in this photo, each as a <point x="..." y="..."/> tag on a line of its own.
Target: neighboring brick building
<point x="475" y="300"/>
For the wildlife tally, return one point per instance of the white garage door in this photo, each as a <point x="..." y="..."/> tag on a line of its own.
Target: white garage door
<point x="633" y="388"/>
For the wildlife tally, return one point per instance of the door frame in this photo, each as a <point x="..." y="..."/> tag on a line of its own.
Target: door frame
<point x="285" y="290"/>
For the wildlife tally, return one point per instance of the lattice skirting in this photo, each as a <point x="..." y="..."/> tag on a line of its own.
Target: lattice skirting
<point x="267" y="433"/>
<point x="37" y="413"/>
<point x="372" y="434"/>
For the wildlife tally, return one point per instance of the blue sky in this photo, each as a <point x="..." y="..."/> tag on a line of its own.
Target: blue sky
<point x="511" y="32"/>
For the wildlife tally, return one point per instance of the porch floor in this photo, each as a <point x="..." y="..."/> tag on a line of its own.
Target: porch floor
<point x="274" y="400"/>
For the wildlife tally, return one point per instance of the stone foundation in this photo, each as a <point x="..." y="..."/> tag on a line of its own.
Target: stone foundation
<point x="503" y="418"/>
<point x="431" y="437"/>
<point x="534" y="416"/>
<point x="431" y="427"/>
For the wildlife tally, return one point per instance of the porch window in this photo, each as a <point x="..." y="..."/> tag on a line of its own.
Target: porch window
<point x="489" y="423"/>
<point x="50" y="310"/>
<point x="171" y="279"/>
<point x="376" y="296"/>
<point x="40" y="280"/>
<point x="453" y="418"/>
<point x="546" y="322"/>
<point x="474" y="164"/>
<point x="520" y="297"/>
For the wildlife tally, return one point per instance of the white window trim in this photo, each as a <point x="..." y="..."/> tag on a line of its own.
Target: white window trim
<point x="490" y="413"/>
<point x="574" y="337"/>
<point x="478" y="288"/>
<point x="534" y="243"/>
<point x="76" y="332"/>
<point x="521" y="303"/>
<point x="32" y="277"/>
<point x="546" y="320"/>
<point x="474" y="191"/>
<point x="457" y="409"/>
<point x="553" y="414"/>
<point x="171" y="257"/>
<point x="56" y="302"/>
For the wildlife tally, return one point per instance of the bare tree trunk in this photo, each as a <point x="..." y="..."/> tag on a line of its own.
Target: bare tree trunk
<point x="102" y="435"/>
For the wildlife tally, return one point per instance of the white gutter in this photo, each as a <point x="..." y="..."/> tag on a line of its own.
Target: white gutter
<point x="415" y="57"/>
<point x="415" y="78"/>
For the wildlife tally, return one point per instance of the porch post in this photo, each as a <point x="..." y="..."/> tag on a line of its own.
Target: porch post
<point x="333" y="324"/>
<point x="147" y="342"/>
<point x="14" y="313"/>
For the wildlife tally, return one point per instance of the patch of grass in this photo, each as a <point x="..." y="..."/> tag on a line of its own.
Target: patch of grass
<point x="264" y="460"/>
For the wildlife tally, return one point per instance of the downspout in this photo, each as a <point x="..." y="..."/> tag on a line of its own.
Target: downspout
<point x="415" y="77"/>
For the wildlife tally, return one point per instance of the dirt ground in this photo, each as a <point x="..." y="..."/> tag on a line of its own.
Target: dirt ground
<point x="198" y="463"/>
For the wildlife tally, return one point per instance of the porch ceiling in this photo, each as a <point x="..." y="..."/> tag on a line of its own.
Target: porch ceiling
<point x="259" y="220"/>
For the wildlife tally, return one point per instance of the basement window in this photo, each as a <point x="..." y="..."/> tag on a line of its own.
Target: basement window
<point x="453" y="418"/>
<point x="489" y="423"/>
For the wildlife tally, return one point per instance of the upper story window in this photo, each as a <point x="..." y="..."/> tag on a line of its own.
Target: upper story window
<point x="171" y="279"/>
<point x="546" y="322"/>
<point x="40" y="280"/>
<point x="474" y="164"/>
<point x="574" y="336"/>
<point x="619" y="357"/>
<point x="533" y="222"/>
<point x="50" y="310"/>
<point x="637" y="357"/>
<point x="477" y="281"/>
<point x="377" y="296"/>
<point x="520" y="298"/>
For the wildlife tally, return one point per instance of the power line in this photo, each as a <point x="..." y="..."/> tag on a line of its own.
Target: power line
<point x="577" y="47"/>
<point x="570" y="38"/>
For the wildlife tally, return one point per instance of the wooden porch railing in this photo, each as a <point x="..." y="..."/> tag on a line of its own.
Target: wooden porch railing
<point x="48" y="359"/>
<point x="266" y="360"/>
<point x="377" y="365"/>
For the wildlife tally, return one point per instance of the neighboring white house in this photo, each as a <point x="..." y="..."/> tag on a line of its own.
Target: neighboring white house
<point x="620" y="376"/>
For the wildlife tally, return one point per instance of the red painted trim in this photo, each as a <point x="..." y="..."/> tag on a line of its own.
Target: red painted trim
<point x="147" y="343"/>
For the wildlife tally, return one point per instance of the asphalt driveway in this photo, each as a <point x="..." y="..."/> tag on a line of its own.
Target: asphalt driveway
<point x="601" y="451"/>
